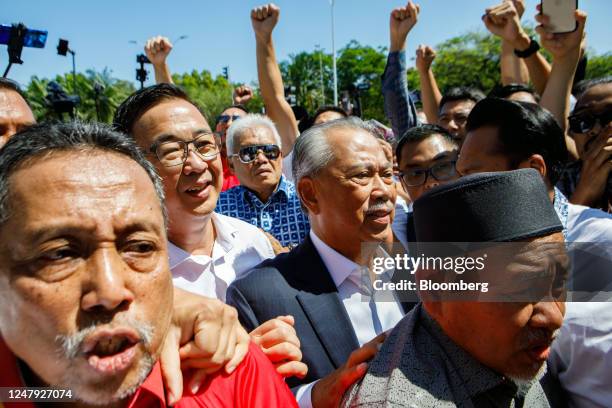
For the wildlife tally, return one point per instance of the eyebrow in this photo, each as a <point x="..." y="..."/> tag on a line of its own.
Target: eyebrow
<point x="437" y="157"/>
<point x="165" y="137"/>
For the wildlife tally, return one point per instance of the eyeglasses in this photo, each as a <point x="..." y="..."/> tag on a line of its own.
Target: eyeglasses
<point x="226" y="118"/>
<point x="584" y="122"/>
<point x="175" y="152"/>
<point x="441" y="172"/>
<point x="249" y="153"/>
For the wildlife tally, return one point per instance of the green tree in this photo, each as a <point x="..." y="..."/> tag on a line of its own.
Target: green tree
<point x="599" y="66"/>
<point x="212" y="95"/>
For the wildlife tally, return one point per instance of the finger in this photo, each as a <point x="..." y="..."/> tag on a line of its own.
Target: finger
<point x="283" y="352"/>
<point x="276" y="336"/>
<point x="231" y="345"/>
<point x="352" y="374"/>
<point x="292" y="369"/>
<point x="242" y="348"/>
<point x="171" y="368"/>
<point x="288" y="318"/>
<point x="267" y="326"/>
<point x="196" y="381"/>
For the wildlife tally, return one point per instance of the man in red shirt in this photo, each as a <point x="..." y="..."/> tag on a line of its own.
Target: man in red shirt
<point x="84" y="276"/>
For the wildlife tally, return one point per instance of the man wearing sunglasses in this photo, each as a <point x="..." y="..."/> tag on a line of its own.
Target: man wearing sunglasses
<point x="265" y="197"/>
<point x="426" y="157"/>
<point x="589" y="181"/>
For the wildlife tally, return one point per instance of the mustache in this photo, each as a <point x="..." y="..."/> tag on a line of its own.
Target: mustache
<point x="379" y="205"/>
<point x="538" y="336"/>
<point x="71" y="345"/>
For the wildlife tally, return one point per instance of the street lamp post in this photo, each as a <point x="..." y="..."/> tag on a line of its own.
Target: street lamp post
<point x="331" y="3"/>
<point x="320" y="51"/>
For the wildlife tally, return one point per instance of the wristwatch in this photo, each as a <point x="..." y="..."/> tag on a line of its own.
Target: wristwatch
<point x="534" y="46"/>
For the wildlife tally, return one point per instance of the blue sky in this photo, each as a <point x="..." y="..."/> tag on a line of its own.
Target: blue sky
<point x="219" y="33"/>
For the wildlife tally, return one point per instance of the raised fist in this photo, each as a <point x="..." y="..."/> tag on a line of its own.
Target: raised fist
<point x="401" y="22"/>
<point x="242" y="95"/>
<point x="264" y="19"/>
<point x="503" y="20"/>
<point x="424" y="57"/>
<point x="157" y="49"/>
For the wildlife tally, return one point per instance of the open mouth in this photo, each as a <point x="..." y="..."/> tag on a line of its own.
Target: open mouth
<point x="540" y="351"/>
<point x="111" y="351"/>
<point x="200" y="190"/>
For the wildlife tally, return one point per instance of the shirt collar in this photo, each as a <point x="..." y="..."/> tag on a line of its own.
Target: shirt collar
<point x="477" y="378"/>
<point x="151" y="392"/>
<point x="226" y="235"/>
<point x="282" y="187"/>
<point x="339" y="266"/>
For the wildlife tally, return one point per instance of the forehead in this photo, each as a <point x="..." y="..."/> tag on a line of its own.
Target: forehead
<point x="457" y="106"/>
<point x="328" y="116"/>
<point x="175" y="116"/>
<point x="596" y="97"/>
<point x="94" y="186"/>
<point x="256" y="135"/>
<point x="424" y="151"/>
<point x="234" y="112"/>
<point x="355" y="146"/>
<point x="12" y="105"/>
<point x="481" y="141"/>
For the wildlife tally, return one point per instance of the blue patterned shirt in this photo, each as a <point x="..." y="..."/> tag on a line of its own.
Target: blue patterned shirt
<point x="281" y="215"/>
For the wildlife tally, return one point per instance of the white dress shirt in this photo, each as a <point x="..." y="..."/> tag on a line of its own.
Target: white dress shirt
<point x="400" y="221"/>
<point x="239" y="246"/>
<point x="581" y="356"/>
<point x="368" y="318"/>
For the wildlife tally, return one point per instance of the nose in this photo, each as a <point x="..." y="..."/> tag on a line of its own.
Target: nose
<point x="193" y="163"/>
<point x="260" y="157"/>
<point x="381" y="189"/>
<point x="106" y="290"/>
<point x="548" y="315"/>
<point x="430" y="182"/>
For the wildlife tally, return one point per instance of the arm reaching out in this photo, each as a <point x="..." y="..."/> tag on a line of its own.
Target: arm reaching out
<point x="157" y="50"/>
<point x="264" y="19"/>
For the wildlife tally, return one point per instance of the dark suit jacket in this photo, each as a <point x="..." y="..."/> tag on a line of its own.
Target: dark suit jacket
<point x="298" y="284"/>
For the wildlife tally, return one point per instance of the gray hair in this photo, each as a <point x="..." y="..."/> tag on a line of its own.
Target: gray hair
<point x="44" y="139"/>
<point x="249" y="122"/>
<point x="312" y="151"/>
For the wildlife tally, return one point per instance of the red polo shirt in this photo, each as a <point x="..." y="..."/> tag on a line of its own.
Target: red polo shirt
<point x="229" y="178"/>
<point x="254" y="383"/>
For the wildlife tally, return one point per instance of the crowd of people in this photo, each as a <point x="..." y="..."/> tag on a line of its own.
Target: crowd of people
<point x="163" y="261"/>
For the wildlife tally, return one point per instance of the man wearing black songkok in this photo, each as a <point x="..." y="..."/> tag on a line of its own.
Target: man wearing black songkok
<point x="469" y="352"/>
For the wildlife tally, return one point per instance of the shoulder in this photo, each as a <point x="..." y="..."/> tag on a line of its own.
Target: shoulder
<point x="587" y="224"/>
<point x="248" y="234"/>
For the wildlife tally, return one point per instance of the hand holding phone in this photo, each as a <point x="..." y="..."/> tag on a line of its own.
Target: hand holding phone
<point x="560" y="15"/>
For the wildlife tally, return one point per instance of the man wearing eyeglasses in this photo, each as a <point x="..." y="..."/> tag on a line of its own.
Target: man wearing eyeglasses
<point x="265" y="197"/>
<point x="207" y="251"/>
<point x="426" y="157"/>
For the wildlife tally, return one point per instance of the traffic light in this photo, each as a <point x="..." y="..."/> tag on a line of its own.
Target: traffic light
<point x="226" y="72"/>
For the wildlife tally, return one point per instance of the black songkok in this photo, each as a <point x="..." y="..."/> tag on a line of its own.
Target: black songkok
<point x="487" y="207"/>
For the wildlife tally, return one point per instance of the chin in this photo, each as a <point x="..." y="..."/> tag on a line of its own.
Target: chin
<point x="527" y="373"/>
<point x="112" y="390"/>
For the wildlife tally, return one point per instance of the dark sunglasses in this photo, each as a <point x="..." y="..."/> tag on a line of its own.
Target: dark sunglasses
<point x="249" y="153"/>
<point x="226" y="118"/>
<point x="584" y="122"/>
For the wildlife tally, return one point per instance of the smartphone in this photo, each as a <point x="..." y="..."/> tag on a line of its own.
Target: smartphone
<point x="33" y="38"/>
<point x="561" y="13"/>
